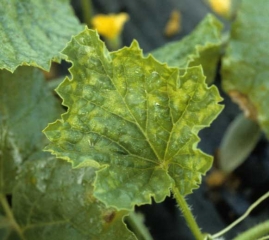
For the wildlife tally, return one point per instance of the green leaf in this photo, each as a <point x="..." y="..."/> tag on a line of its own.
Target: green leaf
<point x="245" y="65"/>
<point x="33" y="32"/>
<point x="134" y="120"/>
<point x="202" y="46"/>
<point x="53" y="201"/>
<point x="26" y="105"/>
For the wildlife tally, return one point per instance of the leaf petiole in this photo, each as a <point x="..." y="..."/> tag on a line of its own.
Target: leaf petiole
<point x="188" y="215"/>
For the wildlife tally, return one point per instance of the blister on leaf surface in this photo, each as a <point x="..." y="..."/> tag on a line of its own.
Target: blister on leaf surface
<point x="134" y="120"/>
<point x="245" y="68"/>
<point x="26" y="106"/>
<point x="202" y="46"/>
<point x="53" y="201"/>
<point x="33" y="32"/>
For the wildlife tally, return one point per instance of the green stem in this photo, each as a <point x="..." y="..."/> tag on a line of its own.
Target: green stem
<point x="264" y="238"/>
<point x="87" y="13"/>
<point x="114" y="44"/>
<point x="188" y="215"/>
<point x="255" y="204"/>
<point x="53" y="84"/>
<point x="135" y="220"/>
<point x="9" y="215"/>
<point x="255" y="232"/>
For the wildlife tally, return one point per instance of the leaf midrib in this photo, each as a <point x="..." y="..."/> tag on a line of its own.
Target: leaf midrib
<point x="136" y="122"/>
<point x="127" y="107"/>
<point x="175" y="124"/>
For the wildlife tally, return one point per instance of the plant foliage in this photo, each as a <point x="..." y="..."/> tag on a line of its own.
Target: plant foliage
<point x="52" y="201"/>
<point x="33" y="32"/>
<point x="135" y="120"/>
<point x="22" y="118"/>
<point x="245" y="64"/>
<point x="131" y="126"/>
<point x="202" y="46"/>
<point x="49" y="199"/>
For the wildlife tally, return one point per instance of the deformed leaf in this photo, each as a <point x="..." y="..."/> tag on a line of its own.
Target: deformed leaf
<point x="245" y="65"/>
<point x="53" y="201"/>
<point x="33" y="32"/>
<point x="134" y="120"/>
<point x="202" y="46"/>
<point x="26" y="105"/>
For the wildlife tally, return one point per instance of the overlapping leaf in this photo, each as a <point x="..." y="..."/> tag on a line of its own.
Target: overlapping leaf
<point x="202" y="46"/>
<point x="245" y="65"/>
<point x="33" y="32"/>
<point x="53" y="201"/>
<point x="135" y="120"/>
<point x="26" y="105"/>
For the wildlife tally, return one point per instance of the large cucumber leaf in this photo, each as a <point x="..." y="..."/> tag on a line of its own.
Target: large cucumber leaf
<point x="33" y="32"/>
<point x="53" y="201"/>
<point x="245" y="65"/>
<point x="26" y="106"/>
<point x="202" y="46"/>
<point x="134" y="120"/>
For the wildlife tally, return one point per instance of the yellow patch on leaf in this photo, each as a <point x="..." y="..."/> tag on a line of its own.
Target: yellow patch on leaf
<point x="110" y="25"/>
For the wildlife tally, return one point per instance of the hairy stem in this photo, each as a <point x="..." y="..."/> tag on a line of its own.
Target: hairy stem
<point x="188" y="215"/>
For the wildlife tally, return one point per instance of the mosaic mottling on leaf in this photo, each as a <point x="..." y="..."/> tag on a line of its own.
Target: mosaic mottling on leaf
<point x="136" y="118"/>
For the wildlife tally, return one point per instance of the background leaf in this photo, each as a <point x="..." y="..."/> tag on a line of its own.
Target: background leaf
<point x="202" y="46"/>
<point x="238" y="142"/>
<point x="245" y="65"/>
<point x="52" y="201"/>
<point x="33" y="32"/>
<point x="26" y="105"/>
<point x="133" y="118"/>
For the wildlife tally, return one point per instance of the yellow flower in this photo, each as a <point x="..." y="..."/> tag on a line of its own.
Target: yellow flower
<point x="173" y="25"/>
<point x="110" y="26"/>
<point x="221" y="7"/>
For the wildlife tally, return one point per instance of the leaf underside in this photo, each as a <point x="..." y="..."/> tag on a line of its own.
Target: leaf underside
<point x="202" y="46"/>
<point x="33" y="32"/>
<point x="134" y="120"/>
<point x="53" y="201"/>
<point x="245" y="68"/>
